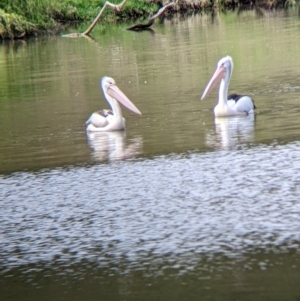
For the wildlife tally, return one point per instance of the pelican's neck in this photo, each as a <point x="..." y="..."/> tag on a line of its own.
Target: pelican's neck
<point x="223" y="91"/>
<point x="114" y="106"/>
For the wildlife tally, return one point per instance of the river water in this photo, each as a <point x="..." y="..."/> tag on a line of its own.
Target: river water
<point x="181" y="205"/>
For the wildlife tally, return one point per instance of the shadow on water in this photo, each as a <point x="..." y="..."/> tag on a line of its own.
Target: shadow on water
<point x="259" y="277"/>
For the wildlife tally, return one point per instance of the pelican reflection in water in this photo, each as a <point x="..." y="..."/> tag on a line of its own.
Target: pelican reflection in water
<point x="233" y="104"/>
<point x="112" y="146"/>
<point x="231" y="132"/>
<point x="110" y="120"/>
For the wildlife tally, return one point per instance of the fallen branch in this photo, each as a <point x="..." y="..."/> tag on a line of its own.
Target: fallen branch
<point x="151" y="18"/>
<point x="162" y="10"/>
<point x="142" y="26"/>
<point x="116" y="7"/>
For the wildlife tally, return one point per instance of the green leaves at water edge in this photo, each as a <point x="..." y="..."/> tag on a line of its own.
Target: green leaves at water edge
<point x="12" y="25"/>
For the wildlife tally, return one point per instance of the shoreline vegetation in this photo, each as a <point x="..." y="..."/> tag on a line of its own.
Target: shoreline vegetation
<point x="26" y="18"/>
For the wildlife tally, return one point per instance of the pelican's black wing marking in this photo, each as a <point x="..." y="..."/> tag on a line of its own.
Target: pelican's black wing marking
<point x="105" y="113"/>
<point x="236" y="98"/>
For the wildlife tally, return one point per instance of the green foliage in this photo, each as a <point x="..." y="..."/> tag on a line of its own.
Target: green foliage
<point x="45" y="13"/>
<point x="79" y="9"/>
<point x="31" y="15"/>
<point x="39" y="12"/>
<point x="13" y="25"/>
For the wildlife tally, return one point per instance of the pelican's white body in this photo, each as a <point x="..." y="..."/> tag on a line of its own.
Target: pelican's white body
<point x="100" y="123"/>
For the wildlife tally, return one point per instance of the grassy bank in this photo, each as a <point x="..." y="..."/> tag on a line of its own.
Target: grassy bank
<point x="24" y="18"/>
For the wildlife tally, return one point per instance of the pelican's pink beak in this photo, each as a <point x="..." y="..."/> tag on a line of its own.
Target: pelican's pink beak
<point x="117" y="94"/>
<point x="218" y="75"/>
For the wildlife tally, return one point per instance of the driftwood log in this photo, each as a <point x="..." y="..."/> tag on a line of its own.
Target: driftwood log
<point x="152" y="17"/>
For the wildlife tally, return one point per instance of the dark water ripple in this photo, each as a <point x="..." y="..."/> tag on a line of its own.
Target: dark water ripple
<point x="225" y="202"/>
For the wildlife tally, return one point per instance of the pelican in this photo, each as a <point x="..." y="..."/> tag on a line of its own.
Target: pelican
<point x="110" y="120"/>
<point x="234" y="104"/>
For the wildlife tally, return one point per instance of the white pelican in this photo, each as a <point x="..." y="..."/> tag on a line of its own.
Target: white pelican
<point x="110" y="120"/>
<point x="234" y="104"/>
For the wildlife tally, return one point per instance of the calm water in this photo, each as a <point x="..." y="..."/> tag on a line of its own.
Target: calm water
<point x="181" y="205"/>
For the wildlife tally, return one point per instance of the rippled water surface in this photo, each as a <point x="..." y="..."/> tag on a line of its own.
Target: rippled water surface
<point x="181" y="205"/>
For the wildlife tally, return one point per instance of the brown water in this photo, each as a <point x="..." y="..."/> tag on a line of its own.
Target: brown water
<point x="181" y="205"/>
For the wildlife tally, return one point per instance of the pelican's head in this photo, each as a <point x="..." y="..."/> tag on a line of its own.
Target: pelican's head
<point x="106" y="82"/>
<point x="110" y="89"/>
<point x="223" y="72"/>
